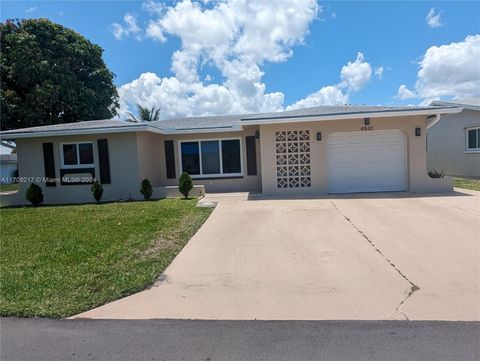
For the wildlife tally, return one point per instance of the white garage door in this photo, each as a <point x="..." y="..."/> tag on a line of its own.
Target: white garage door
<point x="372" y="161"/>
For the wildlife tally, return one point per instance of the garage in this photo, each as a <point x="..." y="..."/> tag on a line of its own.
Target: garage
<point x="366" y="161"/>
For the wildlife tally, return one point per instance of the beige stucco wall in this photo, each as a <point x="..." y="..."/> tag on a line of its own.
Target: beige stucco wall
<point x="417" y="177"/>
<point x="123" y="168"/>
<point x="447" y="143"/>
<point x="151" y="158"/>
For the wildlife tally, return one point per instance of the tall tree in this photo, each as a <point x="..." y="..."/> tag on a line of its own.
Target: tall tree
<point x="145" y="114"/>
<point x="50" y="75"/>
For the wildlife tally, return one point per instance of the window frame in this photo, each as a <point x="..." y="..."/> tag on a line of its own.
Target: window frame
<point x="78" y="165"/>
<point x="211" y="175"/>
<point x="472" y="150"/>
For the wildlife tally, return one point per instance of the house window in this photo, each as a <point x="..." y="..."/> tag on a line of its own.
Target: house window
<point x="207" y="158"/>
<point x="77" y="155"/>
<point x="473" y="139"/>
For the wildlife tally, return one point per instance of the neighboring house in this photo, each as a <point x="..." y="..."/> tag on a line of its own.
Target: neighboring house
<point x="454" y="142"/>
<point x="331" y="149"/>
<point x="8" y="168"/>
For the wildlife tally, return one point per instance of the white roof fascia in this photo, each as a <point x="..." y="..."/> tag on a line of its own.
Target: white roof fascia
<point x="69" y="132"/>
<point x="205" y="130"/>
<point x="317" y="118"/>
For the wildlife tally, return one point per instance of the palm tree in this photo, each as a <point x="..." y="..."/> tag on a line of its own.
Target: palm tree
<point x="145" y="114"/>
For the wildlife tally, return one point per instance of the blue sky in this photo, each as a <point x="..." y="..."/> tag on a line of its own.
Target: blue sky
<point x="298" y="63"/>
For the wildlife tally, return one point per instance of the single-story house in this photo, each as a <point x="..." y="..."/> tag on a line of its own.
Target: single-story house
<point x="453" y="144"/>
<point x="8" y="168"/>
<point x="320" y="150"/>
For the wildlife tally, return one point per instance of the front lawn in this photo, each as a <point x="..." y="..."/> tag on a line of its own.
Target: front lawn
<point x="9" y="187"/>
<point x="467" y="183"/>
<point x="57" y="261"/>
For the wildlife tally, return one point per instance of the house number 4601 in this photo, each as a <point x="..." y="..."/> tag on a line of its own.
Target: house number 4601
<point x="367" y="127"/>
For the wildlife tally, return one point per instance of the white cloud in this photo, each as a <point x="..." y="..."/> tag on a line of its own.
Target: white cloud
<point x="353" y="77"/>
<point x="117" y="30"/>
<point x="328" y="95"/>
<point x="235" y="37"/>
<point x="153" y="7"/>
<point x="379" y="72"/>
<point x="405" y="93"/>
<point x="356" y="75"/>
<point x="154" y="31"/>
<point x="129" y="29"/>
<point x="428" y="101"/>
<point x="31" y="9"/>
<point x="177" y="98"/>
<point x="451" y="70"/>
<point x="433" y="19"/>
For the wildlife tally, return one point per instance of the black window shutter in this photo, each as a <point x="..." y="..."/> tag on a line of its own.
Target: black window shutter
<point x="251" y="155"/>
<point x="170" y="158"/>
<point x="49" y="163"/>
<point x="103" y="161"/>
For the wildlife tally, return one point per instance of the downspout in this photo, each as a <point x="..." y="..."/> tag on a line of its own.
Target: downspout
<point x="434" y="121"/>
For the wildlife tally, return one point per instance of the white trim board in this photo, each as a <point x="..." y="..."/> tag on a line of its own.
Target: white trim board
<point x="322" y="118"/>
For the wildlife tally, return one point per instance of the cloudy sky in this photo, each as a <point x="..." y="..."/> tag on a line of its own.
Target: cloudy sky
<point x="206" y="57"/>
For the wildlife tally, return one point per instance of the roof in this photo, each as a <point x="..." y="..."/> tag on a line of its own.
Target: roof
<point x="224" y="123"/>
<point x="205" y="123"/>
<point x="338" y="110"/>
<point x="324" y="113"/>
<point x="91" y="124"/>
<point x="8" y="158"/>
<point x="467" y="103"/>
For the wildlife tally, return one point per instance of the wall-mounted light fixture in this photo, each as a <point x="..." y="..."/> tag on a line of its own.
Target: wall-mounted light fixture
<point x="319" y="136"/>
<point x="257" y="134"/>
<point x="418" y="132"/>
<point x="366" y="121"/>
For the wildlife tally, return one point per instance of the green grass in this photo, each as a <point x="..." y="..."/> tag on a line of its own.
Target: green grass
<point x="467" y="183"/>
<point x="57" y="261"/>
<point x="9" y="187"/>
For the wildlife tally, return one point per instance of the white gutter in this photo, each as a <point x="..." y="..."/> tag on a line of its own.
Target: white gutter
<point x="235" y="128"/>
<point x="7" y="145"/>
<point x="316" y="118"/>
<point x="68" y="132"/>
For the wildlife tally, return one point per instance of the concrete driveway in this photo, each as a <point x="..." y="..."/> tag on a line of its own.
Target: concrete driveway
<point x="375" y="257"/>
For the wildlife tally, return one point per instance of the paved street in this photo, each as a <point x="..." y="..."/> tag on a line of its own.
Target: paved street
<point x="40" y="339"/>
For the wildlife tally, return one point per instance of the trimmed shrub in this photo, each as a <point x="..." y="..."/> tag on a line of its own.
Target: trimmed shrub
<point x="146" y="189"/>
<point x="97" y="191"/>
<point x="436" y="174"/>
<point x="34" y="195"/>
<point x="185" y="184"/>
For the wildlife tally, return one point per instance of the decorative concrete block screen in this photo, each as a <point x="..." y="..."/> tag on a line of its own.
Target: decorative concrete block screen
<point x="293" y="158"/>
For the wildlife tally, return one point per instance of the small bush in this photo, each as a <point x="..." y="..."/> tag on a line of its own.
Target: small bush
<point x="185" y="184"/>
<point x="34" y="195"/>
<point x="436" y="174"/>
<point x="146" y="189"/>
<point x="97" y="191"/>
